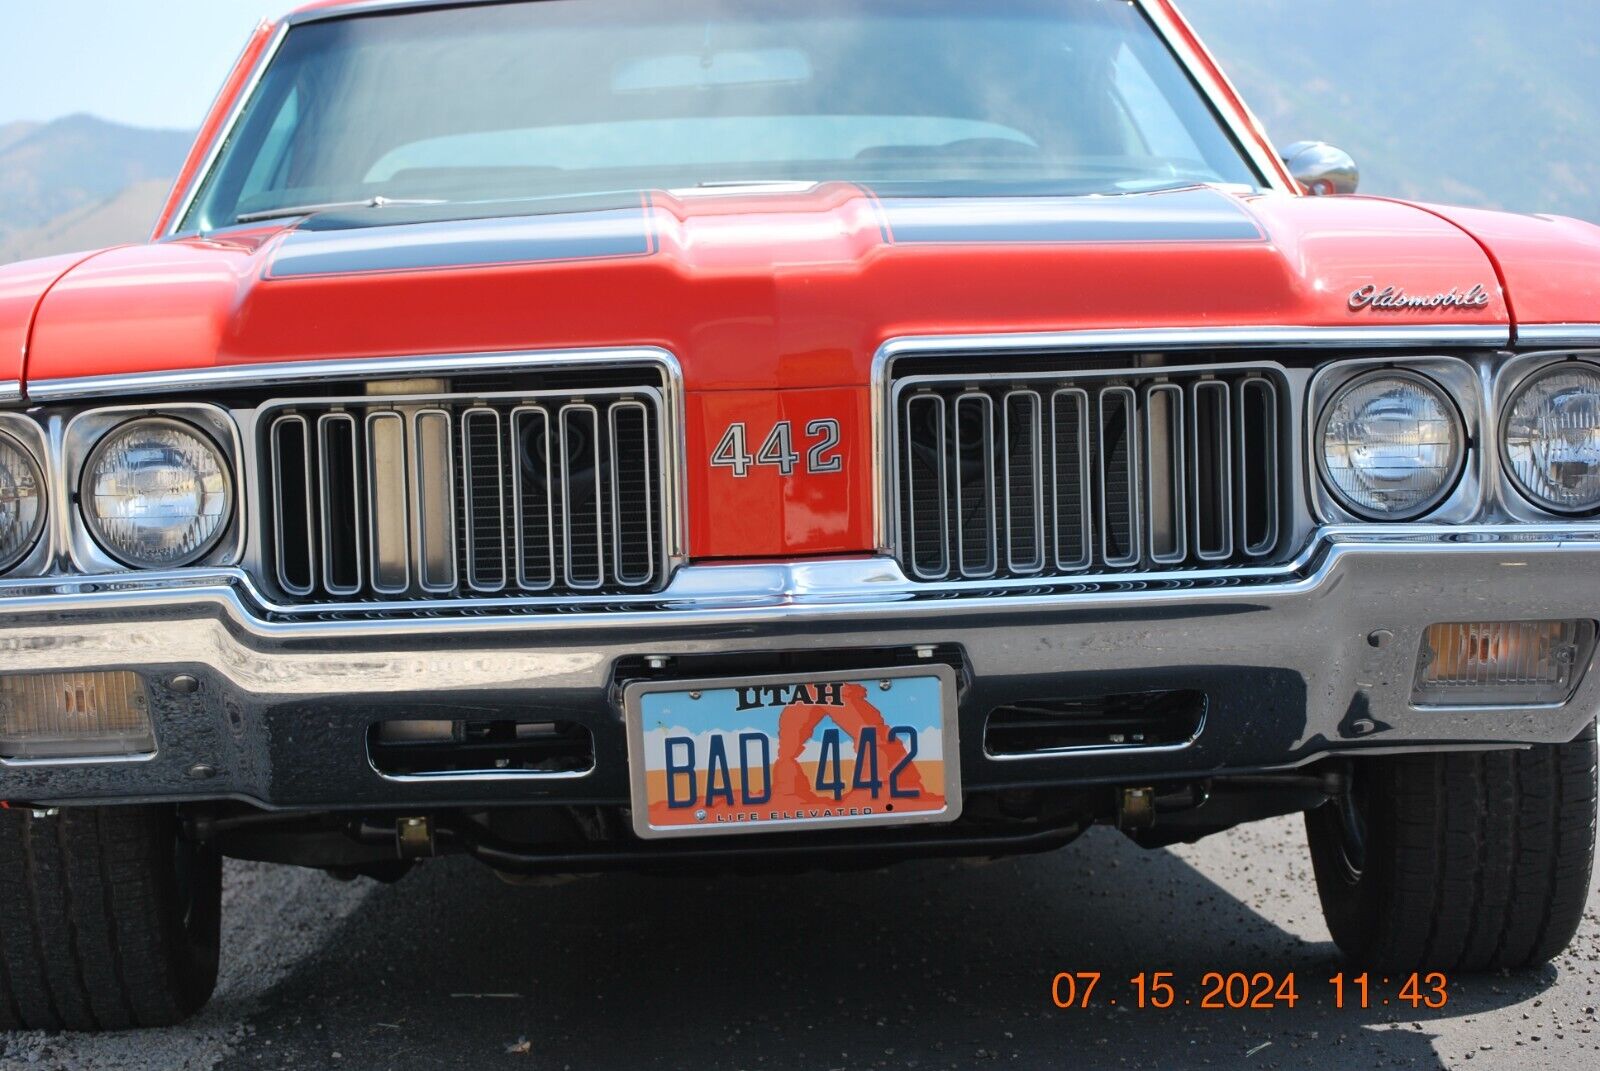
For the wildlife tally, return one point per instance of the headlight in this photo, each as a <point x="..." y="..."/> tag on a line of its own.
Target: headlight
<point x="21" y="502"/>
<point x="157" y="494"/>
<point x="1393" y="446"/>
<point x="1552" y="439"/>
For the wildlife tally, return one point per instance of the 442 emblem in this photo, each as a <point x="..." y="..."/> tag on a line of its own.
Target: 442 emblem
<point x="780" y="451"/>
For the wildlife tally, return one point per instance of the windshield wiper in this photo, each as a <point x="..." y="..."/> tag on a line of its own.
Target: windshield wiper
<point x="332" y="206"/>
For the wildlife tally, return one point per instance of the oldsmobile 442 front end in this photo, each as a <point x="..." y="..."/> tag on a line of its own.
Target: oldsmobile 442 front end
<point x="589" y="436"/>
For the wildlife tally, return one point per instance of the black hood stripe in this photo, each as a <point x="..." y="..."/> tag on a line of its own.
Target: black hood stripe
<point x="605" y="234"/>
<point x="1191" y="215"/>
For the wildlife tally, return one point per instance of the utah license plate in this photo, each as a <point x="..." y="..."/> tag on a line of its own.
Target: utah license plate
<point x="793" y="752"/>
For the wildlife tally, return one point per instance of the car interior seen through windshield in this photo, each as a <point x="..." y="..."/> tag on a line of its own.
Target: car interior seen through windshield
<point x="566" y="98"/>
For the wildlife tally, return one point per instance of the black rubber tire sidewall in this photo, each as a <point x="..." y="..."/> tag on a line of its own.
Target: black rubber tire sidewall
<point x="191" y="911"/>
<point x="1473" y="861"/>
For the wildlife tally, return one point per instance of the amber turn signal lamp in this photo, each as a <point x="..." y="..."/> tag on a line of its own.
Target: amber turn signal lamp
<point x="1503" y="663"/>
<point x="74" y="715"/>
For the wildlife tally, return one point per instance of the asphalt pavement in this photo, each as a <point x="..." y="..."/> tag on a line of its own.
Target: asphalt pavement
<point x="929" y="965"/>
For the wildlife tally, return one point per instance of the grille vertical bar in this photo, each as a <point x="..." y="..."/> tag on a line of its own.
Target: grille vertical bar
<point x="1117" y="447"/>
<point x="633" y="505"/>
<point x="339" y="461"/>
<point x="434" y="486"/>
<point x="582" y="498"/>
<point x="1258" y="432"/>
<point x="1166" y="476"/>
<point x="1104" y="471"/>
<point x="976" y="523"/>
<point x="1212" y="444"/>
<point x="388" y="503"/>
<point x="1023" y="450"/>
<point x="1073" y="509"/>
<point x="927" y="488"/>
<point x="483" y="474"/>
<point x="294" y="515"/>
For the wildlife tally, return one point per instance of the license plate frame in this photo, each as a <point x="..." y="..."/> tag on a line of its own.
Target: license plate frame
<point x="637" y="696"/>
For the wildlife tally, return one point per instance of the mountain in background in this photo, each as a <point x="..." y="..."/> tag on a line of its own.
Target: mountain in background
<point x="81" y="182"/>
<point x="124" y="217"/>
<point x="1475" y="102"/>
<point x="11" y="133"/>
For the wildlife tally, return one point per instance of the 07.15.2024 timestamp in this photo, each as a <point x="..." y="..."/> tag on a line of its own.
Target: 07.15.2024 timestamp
<point x="1249" y="991"/>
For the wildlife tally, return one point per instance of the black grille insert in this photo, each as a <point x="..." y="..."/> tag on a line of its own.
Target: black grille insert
<point x="455" y="496"/>
<point x="1048" y="475"/>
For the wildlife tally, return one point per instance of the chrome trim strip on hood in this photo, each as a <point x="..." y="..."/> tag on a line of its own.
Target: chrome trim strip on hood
<point x="1558" y="335"/>
<point x="235" y="377"/>
<point x="1470" y="336"/>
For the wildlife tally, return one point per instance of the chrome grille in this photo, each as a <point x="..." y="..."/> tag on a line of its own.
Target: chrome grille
<point x="441" y="496"/>
<point x="1053" y="474"/>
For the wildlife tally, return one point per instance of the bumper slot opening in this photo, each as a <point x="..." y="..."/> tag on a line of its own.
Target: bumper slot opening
<point x="1081" y="723"/>
<point x="447" y="749"/>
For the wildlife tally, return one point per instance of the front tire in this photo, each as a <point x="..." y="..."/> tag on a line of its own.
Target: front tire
<point x="1459" y="862"/>
<point x="111" y="920"/>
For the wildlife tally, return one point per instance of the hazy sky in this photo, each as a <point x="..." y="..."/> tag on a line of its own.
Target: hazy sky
<point x="145" y="62"/>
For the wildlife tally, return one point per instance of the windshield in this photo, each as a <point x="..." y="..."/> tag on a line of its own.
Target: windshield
<point x="565" y="97"/>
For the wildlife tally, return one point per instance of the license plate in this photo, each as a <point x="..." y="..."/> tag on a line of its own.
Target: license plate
<point x="794" y="752"/>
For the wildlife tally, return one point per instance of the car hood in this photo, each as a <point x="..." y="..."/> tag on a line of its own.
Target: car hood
<point x="753" y="289"/>
<point x="22" y="288"/>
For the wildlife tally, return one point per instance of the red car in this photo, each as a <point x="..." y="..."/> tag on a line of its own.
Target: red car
<point x="592" y="435"/>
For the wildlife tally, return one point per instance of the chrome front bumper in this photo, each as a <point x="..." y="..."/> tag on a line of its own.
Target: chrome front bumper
<point x="284" y="703"/>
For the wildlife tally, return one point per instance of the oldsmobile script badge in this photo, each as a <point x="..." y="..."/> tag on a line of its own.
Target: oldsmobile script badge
<point x="1395" y="299"/>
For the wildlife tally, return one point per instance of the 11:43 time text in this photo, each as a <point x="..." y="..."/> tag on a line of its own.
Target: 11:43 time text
<point x="1250" y="991"/>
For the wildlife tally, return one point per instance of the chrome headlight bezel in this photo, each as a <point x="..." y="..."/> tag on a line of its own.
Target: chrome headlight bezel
<point x="1451" y="405"/>
<point x="20" y="553"/>
<point x="93" y="524"/>
<point x="85" y="430"/>
<point x="1518" y="389"/>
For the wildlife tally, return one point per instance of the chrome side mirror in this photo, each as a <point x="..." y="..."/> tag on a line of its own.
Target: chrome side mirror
<point x="1322" y="169"/>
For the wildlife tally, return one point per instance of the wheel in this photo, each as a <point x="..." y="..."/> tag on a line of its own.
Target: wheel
<point x="1460" y="862"/>
<point x="111" y="920"/>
